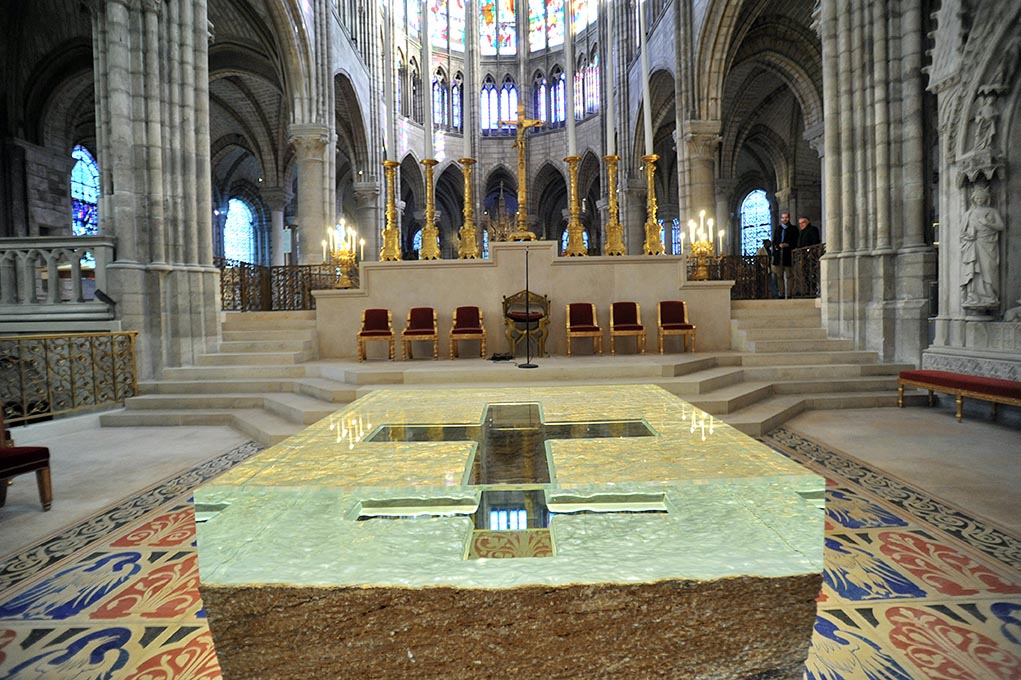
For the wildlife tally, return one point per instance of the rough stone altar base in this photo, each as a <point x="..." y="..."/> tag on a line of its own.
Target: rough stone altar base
<point x="721" y="585"/>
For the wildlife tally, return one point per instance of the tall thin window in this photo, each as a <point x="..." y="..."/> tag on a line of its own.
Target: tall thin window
<point x="239" y="232"/>
<point x="489" y="109"/>
<point x="564" y="239"/>
<point x="508" y="101"/>
<point x="439" y="93"/>
<point x="579" y="89"/>
<point x="756" y="221"/>
<point x="438" y="24"/>
<point x="456" y="9"/>
<point x="402" y="76"/>
<point x="416" y="242"/>
<point x="539" y="95"/>
<point x="456" y="102"/>
<point x="558" y="96"/>
<point x="416" y="93"/>
<point x="84" y="193"/>
<point x="498" y="34"/>
<point x="414" y="18"/>
<point x="592" y="93"/>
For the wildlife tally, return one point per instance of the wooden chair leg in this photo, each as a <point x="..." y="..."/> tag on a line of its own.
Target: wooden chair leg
<point x="392" y="352"/>
<point x="642" y="340"/>
<point x="568" y="345"/>
<point x="613" y="345"/>
<point x="482" y="351"/>
<point x="42" y="478"/>
<point x="361" y="350"/>
<point x="960" y="406"/>
<point x="692" y="342"/>
<point x="900" y="396"/>
<point x="436" y="349"/>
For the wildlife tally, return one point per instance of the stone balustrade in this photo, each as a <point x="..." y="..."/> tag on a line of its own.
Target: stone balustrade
<point x="44" y="278"/>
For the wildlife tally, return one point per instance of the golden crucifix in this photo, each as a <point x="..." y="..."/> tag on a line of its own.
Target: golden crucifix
<point x="521" y="232"/>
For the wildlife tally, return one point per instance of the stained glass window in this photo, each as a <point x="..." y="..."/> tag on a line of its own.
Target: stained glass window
<point x="415" y="18"/>
<point x="536" y="25"/>
<point x="508" y="38"/>
<point x="756" y="221"/>
<point x="84" y="193"/>
<point x="239" y="232"/>
<point x="592" y="84"/>
<point x="558" y="97"/>
<point x="456" y="8"/>
<point x="498" y="33"/>
<point x="580" y="14"/>
<point x="579" y="91"/>
<point x="487" y="27"/>
<point x="402" y="74"/>
<point x="416" y="242"/>
<point x="398" y="10"/>
<point x="539" y="97"/>
<point x="489" y="111"/>
<point x="554" y="23"/>
<point x="455" y="102"/>
<point x="508" y="101"/>
<point x="416" y="94"/>
<point x="438" y="23"/>
<point x="485" y="244"/>
<point x="439" y="87"/>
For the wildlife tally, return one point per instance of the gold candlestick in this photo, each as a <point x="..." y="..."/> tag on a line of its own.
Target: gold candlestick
<point x="614" y="231"/>
<point x="575" y="242"/>
<point x="430" y="236"/>
<point x="469" y="247"/>
<point x="391" y="250"/>
<point x="653" y="242"/>
<point x="701" y="251"/>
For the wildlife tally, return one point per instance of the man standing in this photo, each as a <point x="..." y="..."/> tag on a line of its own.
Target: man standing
<point x="808" y="234"/>
<point x="785" y="240"/>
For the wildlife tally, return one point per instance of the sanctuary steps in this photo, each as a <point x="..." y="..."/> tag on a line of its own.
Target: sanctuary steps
<point x="267" y="383"/>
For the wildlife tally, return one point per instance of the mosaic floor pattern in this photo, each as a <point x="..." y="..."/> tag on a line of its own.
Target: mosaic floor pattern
<point x="914" y="588"/>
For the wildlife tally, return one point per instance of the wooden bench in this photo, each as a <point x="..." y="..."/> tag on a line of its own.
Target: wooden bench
<point x="961" y="385"/>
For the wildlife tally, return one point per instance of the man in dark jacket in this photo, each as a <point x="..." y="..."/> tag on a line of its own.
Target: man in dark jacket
<point x="785" y="240"/>
<point x="808" y="233"/>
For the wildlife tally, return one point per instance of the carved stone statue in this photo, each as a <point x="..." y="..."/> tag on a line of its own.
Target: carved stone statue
<point x="980" y="252"/>
<point x="1014" y="313"/>
<point x="985" y="123"/>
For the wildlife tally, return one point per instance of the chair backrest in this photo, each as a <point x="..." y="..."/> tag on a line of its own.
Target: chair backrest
<point x="581" y="314"/>
<point x="422" y="318"/>
<point x="673" y="311"/>
<point x="467" y="317"/>
<point x="4" y="439"/>
<point x="376" y="320"/>
<point x="622" y="313"/>
<point x="516" y="302"/>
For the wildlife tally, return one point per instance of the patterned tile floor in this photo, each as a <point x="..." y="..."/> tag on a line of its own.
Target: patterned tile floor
<point x="913" y="587"/>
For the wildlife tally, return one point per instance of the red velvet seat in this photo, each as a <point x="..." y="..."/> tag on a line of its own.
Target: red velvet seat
<point x="526" y="317"/>
<point x="377" y="324"/>
<point x="961" y="385"/>
<point x="467" y="326"/>
<point x="582" y="323"/>
<point x="626" y="320"/>
<point x="19" y="460"/>
<point x="421" y="326"/>
<point x="672" y="319"/>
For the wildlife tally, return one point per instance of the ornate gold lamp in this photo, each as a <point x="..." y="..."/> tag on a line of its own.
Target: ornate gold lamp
<point x="339" y="250"/>
<point x="468" y="249"/>
<point x="614" y="230"/>
<point x="653" y="241"/>
<point x="391" y="250"/>
<point x="430" y="235"/>
<point x="701" y="245"/>
<point x="575" y="240"/>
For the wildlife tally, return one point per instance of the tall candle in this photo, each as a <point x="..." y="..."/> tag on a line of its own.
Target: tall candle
<point x="427" y="80"/>
<point x="646" y="95"/>
<point x="469" y="68"/>
<point x="572" y="139"/>
<point x="611" y="124"/>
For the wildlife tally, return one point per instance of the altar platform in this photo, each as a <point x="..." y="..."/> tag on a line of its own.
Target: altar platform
<point x="611" y="531"/>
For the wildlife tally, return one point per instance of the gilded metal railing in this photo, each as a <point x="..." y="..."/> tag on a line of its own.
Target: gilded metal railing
<point x="752" y="274"/>
<point x="46" y="375"/>
<point x="246" y="287"/>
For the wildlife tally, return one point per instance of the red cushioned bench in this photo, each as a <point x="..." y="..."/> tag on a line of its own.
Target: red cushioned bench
<point x="960" y="385"/>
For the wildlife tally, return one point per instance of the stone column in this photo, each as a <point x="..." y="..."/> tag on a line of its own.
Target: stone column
<point x="276" y="200"/>
<point x="702" y="137"/>
<point x="367" y="196"/>
<point x="635" y="210"/>
<point x="725" y="199"/>
<point x="310" y="143"/>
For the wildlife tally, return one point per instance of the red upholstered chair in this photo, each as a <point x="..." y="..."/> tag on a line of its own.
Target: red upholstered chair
<point x="582" y="323"/>
<point x="467" y="326"/>
<point x="421" y="326"/>
<point x="19" y="460"/>
<point x="377" y="324"/>
<point x="625" y="320"/>
<point x="672" y="319"/>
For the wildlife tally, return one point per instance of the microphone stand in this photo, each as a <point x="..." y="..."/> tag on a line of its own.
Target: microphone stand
<point x="528" y="321"/>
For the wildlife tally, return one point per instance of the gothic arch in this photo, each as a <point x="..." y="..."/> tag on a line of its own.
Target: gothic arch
<point x="548" y="200"/>
<point x="450" y="203"/>
<point x="58" y="78"/>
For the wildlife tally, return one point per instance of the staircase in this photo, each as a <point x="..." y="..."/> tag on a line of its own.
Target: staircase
<point x="265" y="382"/>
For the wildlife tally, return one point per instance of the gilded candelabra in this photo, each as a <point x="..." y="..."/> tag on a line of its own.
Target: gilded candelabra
<point x="701" y="251"/>
<point x="653" y="241"/>
<point x="468" y="249"/>
<point x="430" y="235"/>
<point x="339" y="251"/>
<point x="614" y="230"/>
<point x="575" y="241"/>
<point x="391" y="250"/>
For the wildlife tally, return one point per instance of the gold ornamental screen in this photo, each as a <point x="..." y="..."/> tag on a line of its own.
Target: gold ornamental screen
<point x="46" y="375"/>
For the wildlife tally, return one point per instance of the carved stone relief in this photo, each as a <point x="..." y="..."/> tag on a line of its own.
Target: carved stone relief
<point x="980" y="253"/>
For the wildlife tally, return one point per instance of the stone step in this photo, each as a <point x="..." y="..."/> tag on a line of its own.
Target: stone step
<point x="298" y="408"/>
<point x="787" y="373"/>
<point x="327" y="390"/>
<point x="860" y="384"/>
<point x="804" y="312"/>
<point x="775" y="305"/>
<point x="771" y="333"/>
<point x="807" y="358"/>
<point x="242" y="386"/>
<point x="165" y="417"/>
<point x="266" y="428"/>
<point x="305" y="345"/>
<point x="776" y="322"/>
<point x="799" y="345"/>
<point x="252" y="358"/>
<point x="210" y="402"/>
<point x="232" y="372"/>
<point x="263" y="317"/>
<point x="870" y="399"/>
<point x="733" y="398"/>
<point x="694" y="363"/>
<point x="766" y="415"/>
<point x="257" y="335"/>
<point x="279" y="325"/>
<point x="702" y="382"/>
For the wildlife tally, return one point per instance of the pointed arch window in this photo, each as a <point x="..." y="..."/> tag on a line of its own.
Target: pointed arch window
<point x="592" y="91"/>
<point x="579" y="88"/>
<point x="416" y="93"/>
<point x="457" y="102"/>
<point x="539" y="97"/>
<point x="440" y="95"/>
<point x="558" y="96"/>
<point x="402" y="77"/>
<point x="84" y="193"/>
<point x="508" y="101"/>
<point x="756" y="221"/>
<point x="239" y="232"/>
<point x="489" y="110"/>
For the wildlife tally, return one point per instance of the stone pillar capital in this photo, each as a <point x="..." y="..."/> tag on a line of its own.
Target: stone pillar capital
<point x="366" y="193"/>
<point x="276" y="198"/>
<point x="725" y="187"/>
<point x="152" y="5"/>
<point x="816" y="138"/>
<point x="702" y="137"/>
<point x="309" y="140"/>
